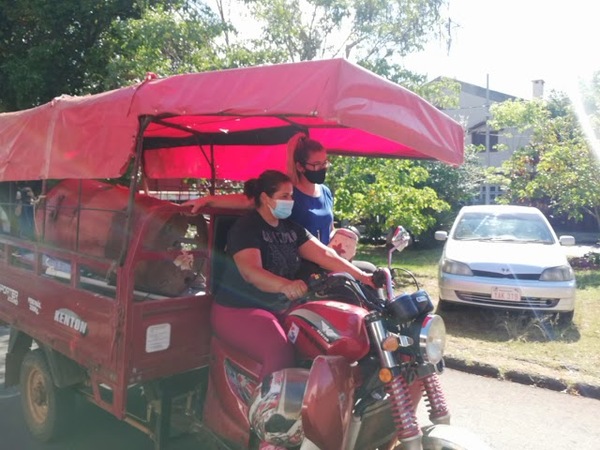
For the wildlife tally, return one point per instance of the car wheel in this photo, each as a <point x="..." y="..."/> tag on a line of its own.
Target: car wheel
<point x="564" y="318"/>
<point x="444" y="306"/>
<point x="47" y="409"/>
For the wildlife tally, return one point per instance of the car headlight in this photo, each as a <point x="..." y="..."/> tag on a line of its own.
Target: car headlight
<point x="432" y="339"/>
<point x="455" y="268"/>
<point x="560" y="273"/>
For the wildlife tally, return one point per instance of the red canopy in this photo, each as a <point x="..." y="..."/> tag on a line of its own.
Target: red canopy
<point x="230" y="124"/>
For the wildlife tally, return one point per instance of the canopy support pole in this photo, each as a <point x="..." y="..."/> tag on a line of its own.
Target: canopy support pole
<point x="213" y="170"/>
<point x="137" y="163"/>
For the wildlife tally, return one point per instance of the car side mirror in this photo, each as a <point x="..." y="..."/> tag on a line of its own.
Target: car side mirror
<point x="566" y="240"/>
<point x="441" y="235"/>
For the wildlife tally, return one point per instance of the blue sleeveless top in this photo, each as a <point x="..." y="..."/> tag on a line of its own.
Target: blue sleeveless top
<point x="314" y="213"/>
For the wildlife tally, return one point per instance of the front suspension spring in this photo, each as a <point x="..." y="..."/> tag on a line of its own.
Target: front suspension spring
<point x="435" y="399"/>
<point x="403" y="411"/>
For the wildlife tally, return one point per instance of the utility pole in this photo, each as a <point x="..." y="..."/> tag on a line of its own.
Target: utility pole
<point x="487" y="136"/>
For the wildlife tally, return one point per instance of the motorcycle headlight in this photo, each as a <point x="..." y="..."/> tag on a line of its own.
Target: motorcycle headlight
<point x="455" y="268"/>
<point x="432" y="339"/>
<point x="560" y="273"/>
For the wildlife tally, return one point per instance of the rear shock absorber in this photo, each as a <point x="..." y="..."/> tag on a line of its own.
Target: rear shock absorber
<point x="403" y="411"/>
<point x="435" y="400"/>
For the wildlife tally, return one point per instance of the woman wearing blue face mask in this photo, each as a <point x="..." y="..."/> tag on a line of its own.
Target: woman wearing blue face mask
<point x="266" y="248"/>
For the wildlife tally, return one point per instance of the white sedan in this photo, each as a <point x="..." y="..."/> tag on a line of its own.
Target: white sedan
<point x="503" y="256"/>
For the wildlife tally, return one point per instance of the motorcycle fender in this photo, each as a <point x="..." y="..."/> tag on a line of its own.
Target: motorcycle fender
<point x="449" y="437"/>
<point x="327" y="404"/>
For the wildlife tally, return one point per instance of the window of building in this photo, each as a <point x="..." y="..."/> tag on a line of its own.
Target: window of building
<point x="478" y="138"/>
<point x="494" y="192"/>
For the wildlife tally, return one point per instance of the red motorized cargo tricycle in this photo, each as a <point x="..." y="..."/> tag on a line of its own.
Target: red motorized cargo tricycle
<point x="110" y="296"/>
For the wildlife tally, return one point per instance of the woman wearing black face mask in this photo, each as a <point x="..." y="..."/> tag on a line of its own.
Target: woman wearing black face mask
<point x="313" y="201"/>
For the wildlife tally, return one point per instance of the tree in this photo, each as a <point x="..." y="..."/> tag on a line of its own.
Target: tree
<point x="66" y="47"/>
<point x="164" y="41"/>
<point x="556" y="170"/>
<point x="362" y="30"/>
<point x="591" y="103"/>
<point x="45" y="46"/>
<point x="456" y="186"/>
<point x="169" y="41"/>
<point x="382" y="193"/>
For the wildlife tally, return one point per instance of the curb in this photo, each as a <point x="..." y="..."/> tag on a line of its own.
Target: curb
<point x="486" y="370"/>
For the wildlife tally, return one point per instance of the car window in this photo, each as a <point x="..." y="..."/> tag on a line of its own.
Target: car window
<point x="503" y="227"/>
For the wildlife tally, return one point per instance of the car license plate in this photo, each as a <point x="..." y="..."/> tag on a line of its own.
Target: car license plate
<point x="507" y="294"/>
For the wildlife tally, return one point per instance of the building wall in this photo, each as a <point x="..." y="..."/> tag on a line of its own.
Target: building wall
<point x="472" y="113"/>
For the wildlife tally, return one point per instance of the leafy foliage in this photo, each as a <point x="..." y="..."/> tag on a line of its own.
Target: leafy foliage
<point x="369" y="30"/>
<point x="168" y="42"/>
<point x="589" y="261"/>
<point x="456" y="186"/>
<point x="45" y="47"/>
<point x="382" y="193"/>
<point x="163" y="41"/>
<point x="591" y="103"/>
<point x="556" y="171"/>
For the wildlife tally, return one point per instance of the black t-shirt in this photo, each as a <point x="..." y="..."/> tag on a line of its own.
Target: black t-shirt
<point x="278" y="248"/>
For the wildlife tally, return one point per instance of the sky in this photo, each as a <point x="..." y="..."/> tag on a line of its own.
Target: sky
<point x="510" y="43"/>
<point x="513" y="42"/>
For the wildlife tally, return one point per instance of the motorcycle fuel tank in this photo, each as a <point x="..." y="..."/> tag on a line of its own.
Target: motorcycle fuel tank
<point x="328" y="327"/>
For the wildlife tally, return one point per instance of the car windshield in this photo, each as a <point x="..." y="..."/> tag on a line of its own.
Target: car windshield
<point x="503" y="227"/>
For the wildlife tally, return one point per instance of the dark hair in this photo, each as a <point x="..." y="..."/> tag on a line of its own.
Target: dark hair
<point x="267" y="182"/>
<point x="304" y="146"/>
<point x="298" y="150"/>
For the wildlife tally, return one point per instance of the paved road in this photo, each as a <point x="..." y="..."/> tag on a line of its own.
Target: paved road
<point x="511" y="416"/>
<point x="508" y="416"/>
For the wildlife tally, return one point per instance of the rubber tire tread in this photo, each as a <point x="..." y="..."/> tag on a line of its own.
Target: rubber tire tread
<point x="61" y="402"/>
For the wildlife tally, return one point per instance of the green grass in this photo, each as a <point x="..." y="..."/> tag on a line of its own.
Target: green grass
<point x="513" y="341"/>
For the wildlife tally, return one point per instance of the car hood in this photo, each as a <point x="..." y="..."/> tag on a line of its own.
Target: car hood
<point x="489" y="255"/>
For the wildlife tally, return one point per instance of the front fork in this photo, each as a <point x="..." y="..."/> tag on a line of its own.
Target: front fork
<point x="435" y="399"/>
<point x="403" y="409"/>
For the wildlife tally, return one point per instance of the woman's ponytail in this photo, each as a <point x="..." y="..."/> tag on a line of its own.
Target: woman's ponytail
<point x="293" y="144"/>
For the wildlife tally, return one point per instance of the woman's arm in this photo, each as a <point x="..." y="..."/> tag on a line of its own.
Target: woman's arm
<point x="249" y="263"/>
<point x="327" y="258"/>
<point x="221" y="201"/>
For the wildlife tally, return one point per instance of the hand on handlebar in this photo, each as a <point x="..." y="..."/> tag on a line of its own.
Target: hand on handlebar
<point x="366" y="278"/>
<point x="294" y="289"/>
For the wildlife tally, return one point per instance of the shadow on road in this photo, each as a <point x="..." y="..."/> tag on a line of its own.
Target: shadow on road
<point x="93" y="429"/>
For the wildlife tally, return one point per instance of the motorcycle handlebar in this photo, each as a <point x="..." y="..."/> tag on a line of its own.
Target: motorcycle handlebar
<point x="317" y="283"/>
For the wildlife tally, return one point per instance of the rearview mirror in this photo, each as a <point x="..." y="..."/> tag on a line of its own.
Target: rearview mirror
<point x="441" y="235"/>
<point x="567" y="240"/>
<point x="399" y="239"/>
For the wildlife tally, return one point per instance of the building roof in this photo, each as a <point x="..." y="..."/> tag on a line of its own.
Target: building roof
<point x="479" y="91"/>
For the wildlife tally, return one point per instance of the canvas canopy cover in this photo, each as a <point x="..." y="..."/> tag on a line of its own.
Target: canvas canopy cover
<point x="228" y="124"/>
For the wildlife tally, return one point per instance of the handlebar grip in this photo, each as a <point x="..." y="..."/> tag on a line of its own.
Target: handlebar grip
<point x="379" y="278"/>
<point x="316" y="281"/>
